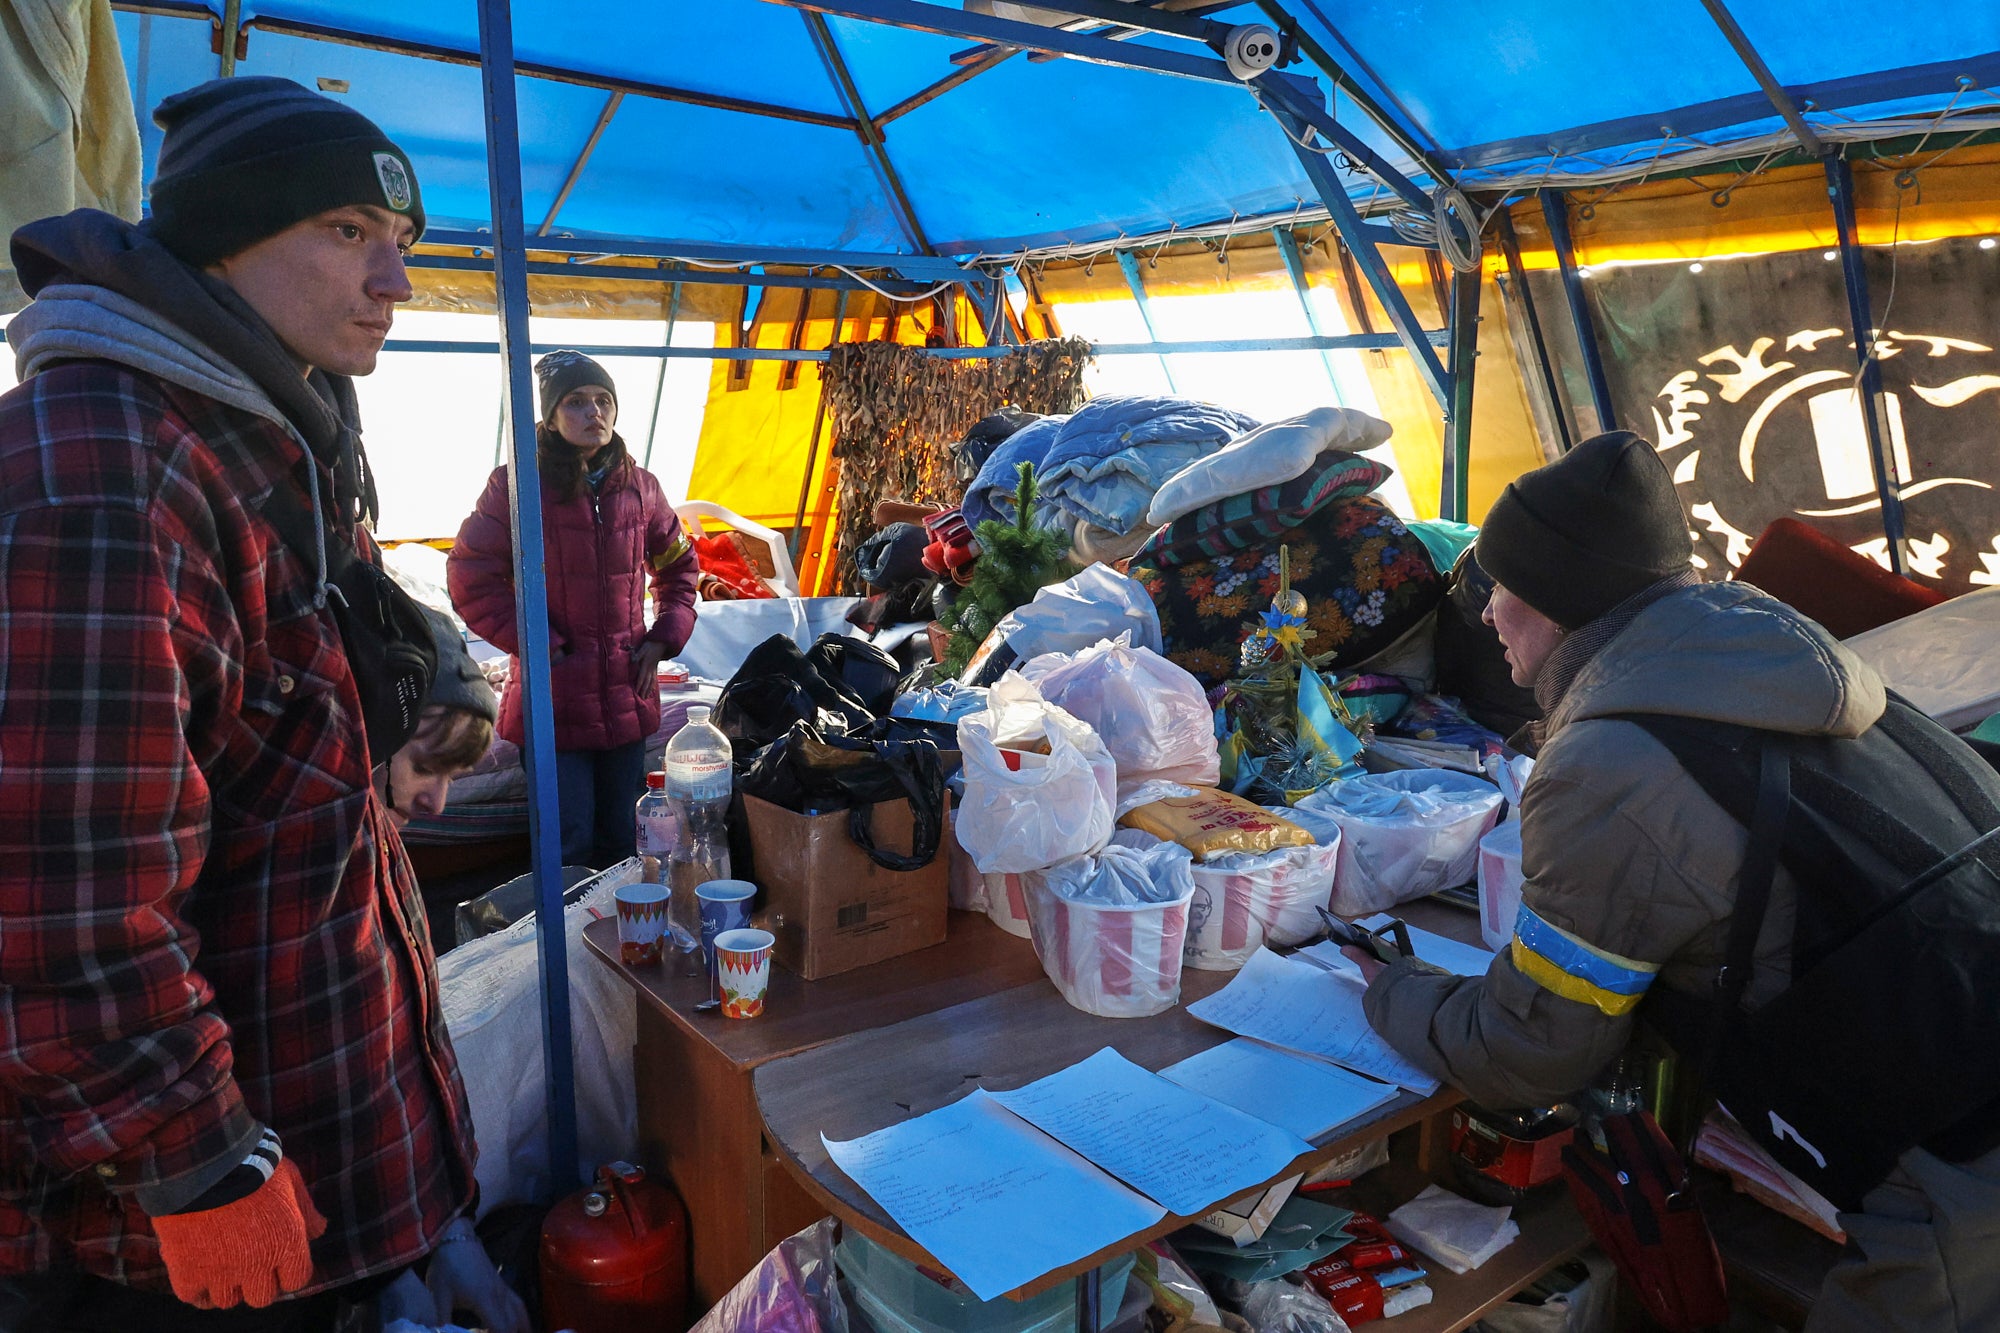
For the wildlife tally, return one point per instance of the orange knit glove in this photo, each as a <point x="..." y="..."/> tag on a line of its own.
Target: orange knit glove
<point x="249" y="1252"/>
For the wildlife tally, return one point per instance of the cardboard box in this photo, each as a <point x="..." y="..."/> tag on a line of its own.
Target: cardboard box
<point x="1247" y="1217"/>
<point x="830" y="906"/>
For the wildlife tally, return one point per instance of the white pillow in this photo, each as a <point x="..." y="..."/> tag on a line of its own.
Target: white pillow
<point x="1267" y="456"/>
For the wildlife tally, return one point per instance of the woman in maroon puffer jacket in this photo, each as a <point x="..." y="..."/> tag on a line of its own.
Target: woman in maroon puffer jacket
<point x="606" y="530"/>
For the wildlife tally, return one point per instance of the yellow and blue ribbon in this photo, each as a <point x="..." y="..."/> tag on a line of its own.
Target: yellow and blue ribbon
<point x="1558" y="961"/>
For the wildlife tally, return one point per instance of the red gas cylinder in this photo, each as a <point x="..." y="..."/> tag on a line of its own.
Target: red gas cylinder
<point x="614" y="1253"/>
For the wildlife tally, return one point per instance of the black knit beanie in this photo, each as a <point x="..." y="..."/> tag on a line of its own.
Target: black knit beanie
<point x="1577" y="537"/>
<point x="562" y="373"/>
<point x="245" y="158"/>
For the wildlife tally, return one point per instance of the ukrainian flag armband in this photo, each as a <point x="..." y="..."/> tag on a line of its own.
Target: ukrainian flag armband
<point x="1558" y="961"/>
<point x="677" y="550"/>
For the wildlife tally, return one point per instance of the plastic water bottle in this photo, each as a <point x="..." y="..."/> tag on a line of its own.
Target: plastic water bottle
<point x="659" y="826"/>
<point x="699" y="782"/>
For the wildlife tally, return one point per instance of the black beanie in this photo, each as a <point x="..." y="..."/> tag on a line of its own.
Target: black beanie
<point x="245" y="158"/>
<point x="562" y="373"/>
<point x="1577" y="537"/>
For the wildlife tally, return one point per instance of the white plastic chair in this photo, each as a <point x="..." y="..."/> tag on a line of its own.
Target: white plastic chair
<point x="786" y="581"/>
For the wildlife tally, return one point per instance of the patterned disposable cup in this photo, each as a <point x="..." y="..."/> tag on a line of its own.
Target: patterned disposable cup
<point x="725" y="905"/>
<point x="642" y="922"/>
<point x="743" y="966"/>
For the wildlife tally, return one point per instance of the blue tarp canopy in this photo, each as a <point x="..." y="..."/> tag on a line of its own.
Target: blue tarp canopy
<point x="739" y="123"/>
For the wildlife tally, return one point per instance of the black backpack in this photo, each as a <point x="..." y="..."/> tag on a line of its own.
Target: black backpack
<point x="1888" y="1035"/>
<point x="383" y="630"/>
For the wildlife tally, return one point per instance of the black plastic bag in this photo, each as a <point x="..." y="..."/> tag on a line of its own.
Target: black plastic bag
<point x="809" y="772"/>
<point x="859" y="668"/>
<point x="778" y="685"/>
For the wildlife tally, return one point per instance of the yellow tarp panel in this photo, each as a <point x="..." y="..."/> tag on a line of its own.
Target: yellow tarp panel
<point x="1784" y="209"/>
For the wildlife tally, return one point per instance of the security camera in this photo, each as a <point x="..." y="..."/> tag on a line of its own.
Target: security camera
<point x="1250" y="49"/>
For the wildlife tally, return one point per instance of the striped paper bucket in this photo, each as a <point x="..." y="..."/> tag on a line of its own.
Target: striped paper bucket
<point x="1115" y="962"/>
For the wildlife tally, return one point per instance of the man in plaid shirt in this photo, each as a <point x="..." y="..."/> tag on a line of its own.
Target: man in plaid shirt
<point x="224" y="1072"/>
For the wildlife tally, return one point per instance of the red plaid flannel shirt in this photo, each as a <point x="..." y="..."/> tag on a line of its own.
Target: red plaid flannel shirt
<point x="207" y="922"/>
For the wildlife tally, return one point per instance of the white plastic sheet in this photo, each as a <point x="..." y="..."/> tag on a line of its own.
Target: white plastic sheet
<point x="1405" y="834"/>
<point x="725" y="632"/>
<point x="1024" y="811"/>
<point x="1110" y="929"/>
<point x="491" y="993"/>
<point x="1150" y="713"/>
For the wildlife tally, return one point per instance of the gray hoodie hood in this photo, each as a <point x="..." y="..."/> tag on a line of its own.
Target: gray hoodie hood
<point x="78" y="322"/>
<point x="1728" y="653"/>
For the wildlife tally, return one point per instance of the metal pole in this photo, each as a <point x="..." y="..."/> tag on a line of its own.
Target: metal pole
<point x="1288" y="250"/>
<point x="864" y="125"/>
<point x="1555" y="208"/>
<point x="1861" y="315"/>
<point x="1454" y="482"/>
<point x="1510" y="245"/>
<point x="531" y="603"/>
<point x="611" y="105"/>
<point x="660" y="381"/>
<point x="1761" y="72"/>
<point x="1129" y="264"/>
<point x="232" y="27"/>
<point x="1347" y="219"/>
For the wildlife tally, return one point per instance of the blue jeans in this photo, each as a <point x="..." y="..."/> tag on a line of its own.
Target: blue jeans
<point x="596" y="791"/>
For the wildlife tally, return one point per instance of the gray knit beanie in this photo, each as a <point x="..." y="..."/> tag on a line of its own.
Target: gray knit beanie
<point x="1580" y="535"/>
<point x="458" y="682"/>
<point x="245" y="158"/>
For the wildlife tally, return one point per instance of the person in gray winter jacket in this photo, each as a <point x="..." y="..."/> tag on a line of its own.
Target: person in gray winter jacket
<point x="1631" y="869"/>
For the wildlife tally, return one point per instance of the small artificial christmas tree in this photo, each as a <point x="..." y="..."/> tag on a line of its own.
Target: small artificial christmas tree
<point x="1016" y="560"/>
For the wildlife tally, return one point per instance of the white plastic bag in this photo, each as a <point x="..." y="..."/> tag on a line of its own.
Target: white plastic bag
<point x="1267" y="456"/>
<point x="1110" y="928"/>
<point x="1150" y="713"/>
<point x="1099" y="603"/>
<point x="1500" y="882"/>
<point x="1022" y="810"/>
<point x="1404" y="834"/>
<point x="1243" y="901"/>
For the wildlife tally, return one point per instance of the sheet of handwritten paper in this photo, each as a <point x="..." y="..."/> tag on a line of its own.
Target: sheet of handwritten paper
<point x="1307" y="1097"/>
<point x="1467" y="960"/>
<point x="993" y="1199"/>
<point x="1179" y="1148"/>
<point x="1305" y="1008"/>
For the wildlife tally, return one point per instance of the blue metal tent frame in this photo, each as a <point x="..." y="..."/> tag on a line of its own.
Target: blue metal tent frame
<point x="1392" y="148"/>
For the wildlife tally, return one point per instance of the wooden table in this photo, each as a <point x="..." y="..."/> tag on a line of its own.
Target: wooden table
<point x="698" y="1121"/>
<point x="877" y="1078"/>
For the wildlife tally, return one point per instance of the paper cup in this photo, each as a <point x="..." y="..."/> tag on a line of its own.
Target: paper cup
<point x="743" y="970"/>
<point x="642" y="922"/>
<point x="725" y="905"/>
